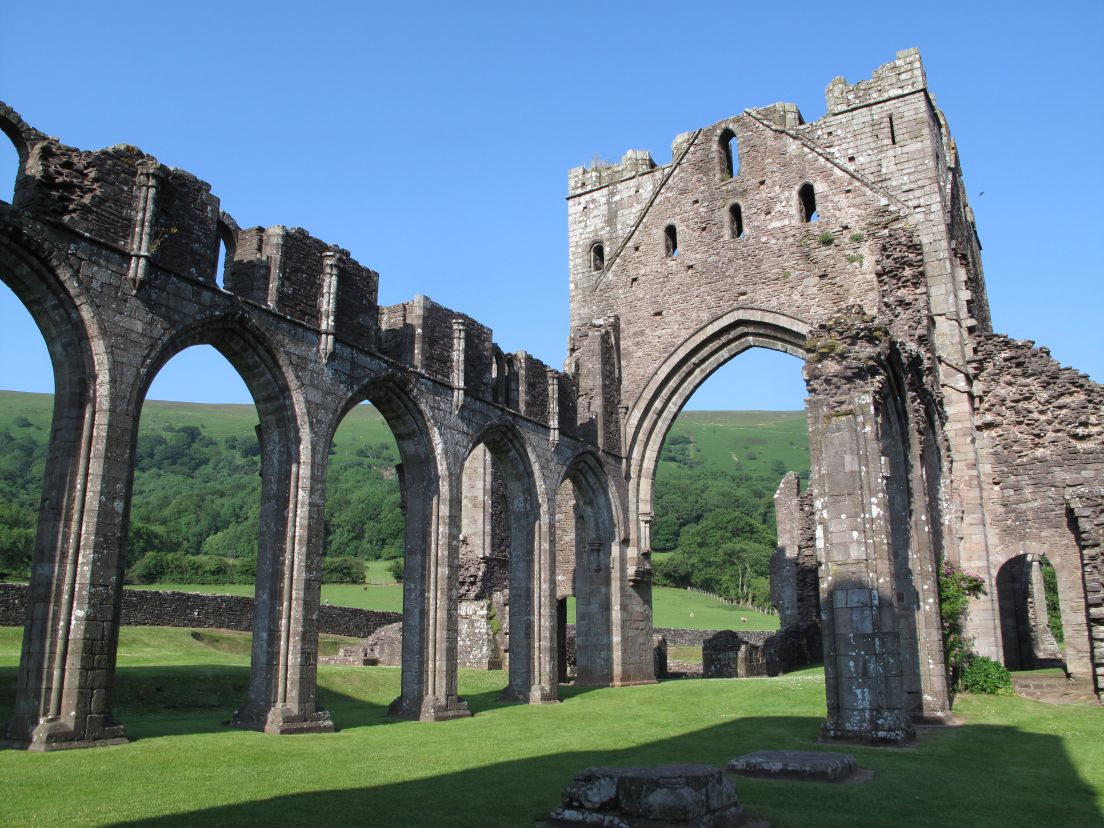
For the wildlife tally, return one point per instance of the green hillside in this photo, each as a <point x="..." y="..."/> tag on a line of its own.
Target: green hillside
<point x="197" y="490"/>
<point x="714" y="507"/>
<point x="760" y="443"/>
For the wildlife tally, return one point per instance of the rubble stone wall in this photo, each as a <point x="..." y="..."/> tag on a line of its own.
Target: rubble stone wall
<point x="1044" y="427"/>
<point x="158" y="608"/>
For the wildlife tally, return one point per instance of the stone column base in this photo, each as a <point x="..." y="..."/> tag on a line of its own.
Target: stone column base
<point x="431" y="709"/>
<point x="56" y="734"/>
<point x="537" y="694"/>
<point x="284" y="720"/>
<point x="894" y="736"/>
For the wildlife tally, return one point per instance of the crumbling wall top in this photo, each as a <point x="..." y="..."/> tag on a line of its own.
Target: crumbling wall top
<point x="599" y="174"/>
<point x="904" y="75"/>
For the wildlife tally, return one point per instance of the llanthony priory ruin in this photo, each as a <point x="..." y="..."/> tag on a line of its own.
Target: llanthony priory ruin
<point x="847" y="242"/>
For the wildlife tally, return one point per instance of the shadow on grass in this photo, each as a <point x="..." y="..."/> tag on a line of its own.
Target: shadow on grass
<point x="196" y="698"/>
<point x="970" y="775"/>
<point x="161" y="700"/>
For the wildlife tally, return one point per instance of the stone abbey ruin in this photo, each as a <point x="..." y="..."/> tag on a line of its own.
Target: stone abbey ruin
<point x="847" y="242"/>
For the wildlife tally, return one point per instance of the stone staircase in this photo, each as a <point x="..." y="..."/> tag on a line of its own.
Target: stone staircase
<point x="1055" y="689"/>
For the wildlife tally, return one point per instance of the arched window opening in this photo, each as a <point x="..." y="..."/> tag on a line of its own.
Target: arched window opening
<point x="1053" y="609"/>
<point x="598" y="257"/>
<point x="670" y="241"/>
<point x="513" y="388"/>
<point x="498" y="377"/>
<point x="736" y="221"/>
<point x="1030" y="614"/>
<point x="713" y="525"/>
<point x="807" y="196"/>
<point x="9" y="169"/>
<point x="730" y="154"/>
<point x="226" y="245"/>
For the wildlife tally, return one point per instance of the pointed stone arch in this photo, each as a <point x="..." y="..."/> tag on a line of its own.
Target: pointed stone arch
<point x="676" y="379"/>
<point x="532" y="654"/>
<point x="429" y="680"/>
<point x="282" y="685"/>
<point x="48" y="704"/>
<point x="598" y="555"/>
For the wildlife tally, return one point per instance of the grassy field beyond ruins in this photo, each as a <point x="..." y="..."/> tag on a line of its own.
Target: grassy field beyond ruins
<point x="508" y="764"/>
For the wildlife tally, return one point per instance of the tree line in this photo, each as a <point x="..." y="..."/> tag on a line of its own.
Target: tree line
<point x="196" y="502"/>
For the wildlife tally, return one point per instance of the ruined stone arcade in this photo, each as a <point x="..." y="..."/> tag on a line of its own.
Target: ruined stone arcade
<point x="847" y="243"/>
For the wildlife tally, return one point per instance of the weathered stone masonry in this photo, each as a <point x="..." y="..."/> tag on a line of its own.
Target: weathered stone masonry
<point x="847" y="243"/>
<point x="114" y="255"/>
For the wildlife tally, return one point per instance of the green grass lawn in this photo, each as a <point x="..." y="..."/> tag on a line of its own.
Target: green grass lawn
<point x="1010" y="762"/>
<point x="672" y="607"/>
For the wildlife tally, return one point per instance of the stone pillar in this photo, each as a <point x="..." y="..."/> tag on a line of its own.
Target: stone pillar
<point x="533" y="673"/>
<point x="561" y="640"/>
<point x="918" y="597"/>
<point x="430" y="583"/>
<point x="67" y="667"/>
<point x="1043" y="644"/>
<point x="862" y="658"/>
<point x="631" y="611"/>
<point x="593" y="627"/>
<point x="783" y="563"/>
<point x="283" y="673"/>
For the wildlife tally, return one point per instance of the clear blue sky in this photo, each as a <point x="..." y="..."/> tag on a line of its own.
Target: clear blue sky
<point x="433" y="140"/>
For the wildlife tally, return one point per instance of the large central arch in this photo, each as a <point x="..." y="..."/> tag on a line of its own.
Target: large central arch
<point x="675" y="381"/>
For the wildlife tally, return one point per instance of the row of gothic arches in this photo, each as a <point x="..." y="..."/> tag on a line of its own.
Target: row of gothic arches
<point x="91" y="461"/>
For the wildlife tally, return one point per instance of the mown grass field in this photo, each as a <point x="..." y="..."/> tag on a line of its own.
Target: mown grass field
<point x="1009" y="762"/>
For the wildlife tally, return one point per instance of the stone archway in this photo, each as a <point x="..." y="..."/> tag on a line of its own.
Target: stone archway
<point x="589" y="560"/>
<point x="674" y="382"/>
<point x="48" y="706"/>
<point x="651" y="415"/>
<point x="532" y="656"/>
<point x="429" y="679"/>
<point x="283" y="658"/>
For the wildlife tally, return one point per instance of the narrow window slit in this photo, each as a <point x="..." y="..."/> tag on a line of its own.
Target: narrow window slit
<point x="730" y="154"/>
<point x="670" y="241"/>
<point x="807" y="196"/>
<point x="736" y="221"/>
<point x="598" y="257"/>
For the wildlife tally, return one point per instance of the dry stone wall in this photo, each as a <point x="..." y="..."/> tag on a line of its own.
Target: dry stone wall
<point x="158" y="608"/>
